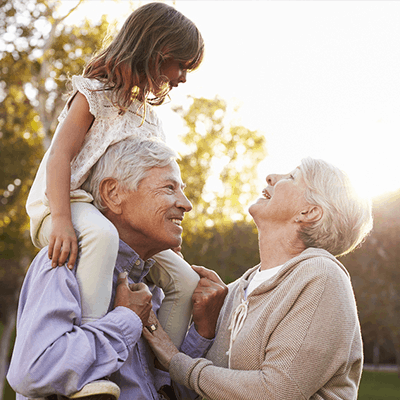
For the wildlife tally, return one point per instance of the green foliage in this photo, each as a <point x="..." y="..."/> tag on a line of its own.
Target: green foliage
<point x="37" y="54"/>
<point x="228" y="153"/>
<point x="219" y="168"/>
<point x="230" y="249"/>
<point x="376" y="385"/>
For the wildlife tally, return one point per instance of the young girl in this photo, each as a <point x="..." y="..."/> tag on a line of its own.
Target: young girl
<point x="151" y="54"/>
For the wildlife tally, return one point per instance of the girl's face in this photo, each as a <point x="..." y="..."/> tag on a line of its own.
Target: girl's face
<point x="174" y="71"/>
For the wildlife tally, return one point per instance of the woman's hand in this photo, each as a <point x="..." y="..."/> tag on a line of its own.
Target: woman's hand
<point x="159" y="341"/>
<point x="63" y="242"/>
<point x="207" y="299"/>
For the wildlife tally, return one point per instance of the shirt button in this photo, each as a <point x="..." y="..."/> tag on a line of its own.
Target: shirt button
<point x="137" y="262"/>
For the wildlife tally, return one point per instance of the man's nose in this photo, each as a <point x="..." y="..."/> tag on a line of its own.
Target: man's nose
<point x="183" y="202"/>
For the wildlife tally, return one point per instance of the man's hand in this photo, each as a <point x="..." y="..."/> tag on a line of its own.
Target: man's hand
<point x="207" y="299"/>
<point x="136" y="297"/>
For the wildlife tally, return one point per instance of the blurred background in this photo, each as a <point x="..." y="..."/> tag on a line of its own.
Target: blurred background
<point x="281" y="80"/>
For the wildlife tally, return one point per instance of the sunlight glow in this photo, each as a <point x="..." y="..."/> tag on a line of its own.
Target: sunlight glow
<point x="312" y="76"/>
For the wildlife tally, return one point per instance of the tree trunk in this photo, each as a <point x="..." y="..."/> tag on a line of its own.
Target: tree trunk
<point x="396" y="341"/>
<point x="375" y="354"/>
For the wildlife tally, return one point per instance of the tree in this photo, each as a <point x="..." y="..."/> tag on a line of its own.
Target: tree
<point x="219" y="168"/>
<point x="376" y="276"/>
<point x="37" y="54"/>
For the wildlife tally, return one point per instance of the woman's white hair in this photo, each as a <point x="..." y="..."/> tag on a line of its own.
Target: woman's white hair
<point x="128" y="161"/>
<point x="347" y="217"/>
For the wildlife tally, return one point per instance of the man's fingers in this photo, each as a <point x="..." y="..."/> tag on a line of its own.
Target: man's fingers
<point x="122" y="279"/>
<point x="135" y="287"/>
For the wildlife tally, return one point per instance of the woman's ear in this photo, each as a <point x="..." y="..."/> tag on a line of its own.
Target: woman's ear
<point x="110" y="192"/>
<point x="311" y="214"/>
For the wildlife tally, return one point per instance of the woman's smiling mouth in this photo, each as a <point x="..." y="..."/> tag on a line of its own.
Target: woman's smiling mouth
<point x="266" y="194"/>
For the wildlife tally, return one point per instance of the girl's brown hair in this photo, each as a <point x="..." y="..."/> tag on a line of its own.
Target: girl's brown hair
<point x="152" y="34"/>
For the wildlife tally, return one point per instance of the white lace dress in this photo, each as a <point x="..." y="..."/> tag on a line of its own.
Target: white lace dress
<point x="109" y="127"/>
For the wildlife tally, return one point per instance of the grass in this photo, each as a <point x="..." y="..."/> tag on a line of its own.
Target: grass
<point x="8" y="394"/>
<point x="375" y="385"/>
<point x="379" y="385"/>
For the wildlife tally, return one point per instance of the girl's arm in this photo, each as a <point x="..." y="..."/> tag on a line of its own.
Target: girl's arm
<point x="66" y="145"/>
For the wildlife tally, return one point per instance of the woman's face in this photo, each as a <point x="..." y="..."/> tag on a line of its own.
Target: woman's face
<point x="282" y="200"/>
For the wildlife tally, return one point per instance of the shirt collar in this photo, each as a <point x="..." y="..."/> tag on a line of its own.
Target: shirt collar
<point x="128" y="260"/>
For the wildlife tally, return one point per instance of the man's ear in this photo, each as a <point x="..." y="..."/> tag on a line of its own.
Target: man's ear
<point x="311" y="214"/>
<point x="110" y="192"/>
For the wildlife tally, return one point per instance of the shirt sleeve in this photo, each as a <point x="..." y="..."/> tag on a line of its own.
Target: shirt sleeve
<point x="52" y="352"/>
<point x="195" y="345"/>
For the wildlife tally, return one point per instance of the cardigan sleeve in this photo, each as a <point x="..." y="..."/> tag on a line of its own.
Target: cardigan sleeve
<point x="314" y="348"/>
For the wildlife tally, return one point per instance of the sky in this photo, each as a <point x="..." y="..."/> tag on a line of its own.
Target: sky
<point x="317" y="78"/>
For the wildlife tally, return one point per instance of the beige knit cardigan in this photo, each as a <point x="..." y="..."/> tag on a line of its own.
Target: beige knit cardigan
<point x="300" y="340"/>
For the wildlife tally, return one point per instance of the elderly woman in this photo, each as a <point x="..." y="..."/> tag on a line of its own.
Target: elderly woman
<point x="288" y="328"/>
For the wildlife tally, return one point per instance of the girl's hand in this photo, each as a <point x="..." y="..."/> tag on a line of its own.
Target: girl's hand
<point x="63" y="242"/>
<point x="178" y="250"/>
<point x="159" y="341"/>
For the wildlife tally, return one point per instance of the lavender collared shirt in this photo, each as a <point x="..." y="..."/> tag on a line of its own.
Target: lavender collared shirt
<point x="54" y="353"/>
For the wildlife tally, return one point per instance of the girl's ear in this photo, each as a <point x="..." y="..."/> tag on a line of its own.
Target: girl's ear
<point x="110" y="192"/>
<point x="155" y="65"/>
<point x="311" y="214"/>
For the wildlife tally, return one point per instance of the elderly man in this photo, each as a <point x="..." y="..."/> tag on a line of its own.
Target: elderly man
<point x="54" y="353"/>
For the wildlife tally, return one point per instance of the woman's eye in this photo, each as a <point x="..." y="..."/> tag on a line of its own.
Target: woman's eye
<point x="291" y="176"/>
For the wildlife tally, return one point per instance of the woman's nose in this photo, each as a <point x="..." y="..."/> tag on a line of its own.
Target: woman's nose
<point x="272" y="179"/>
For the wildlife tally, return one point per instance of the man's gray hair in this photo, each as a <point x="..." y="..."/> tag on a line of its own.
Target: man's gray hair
<point x="128" y="161"/>
<point x="347" y="217"/>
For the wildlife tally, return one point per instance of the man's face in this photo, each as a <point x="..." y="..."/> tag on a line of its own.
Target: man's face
<point x="151" y="216"/>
